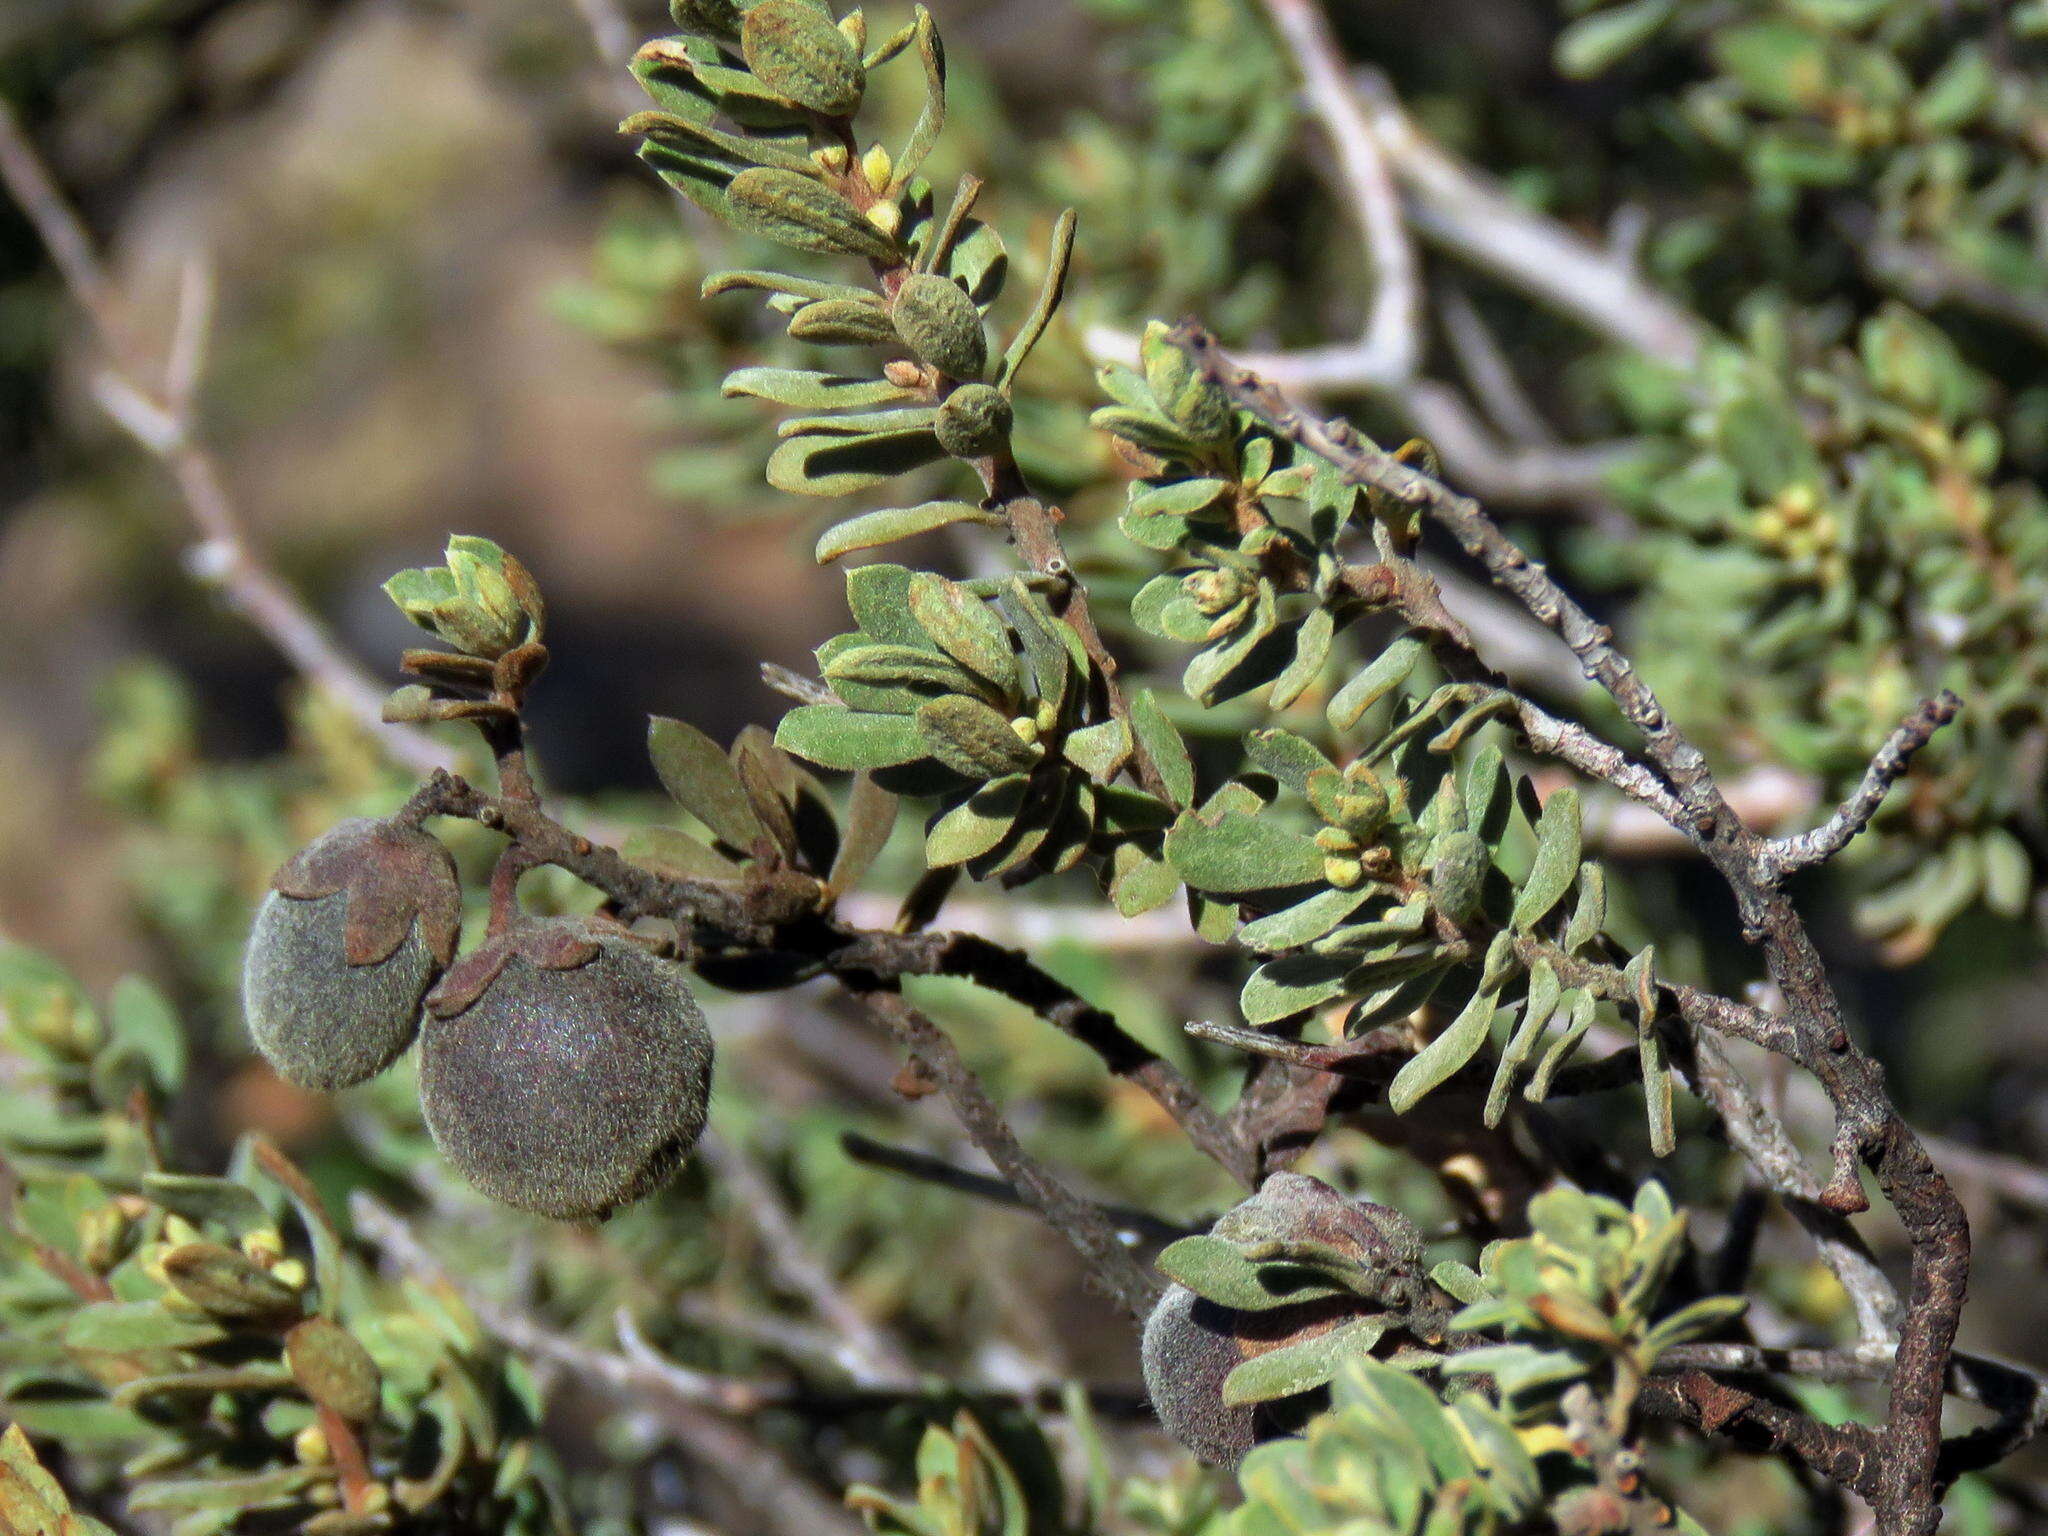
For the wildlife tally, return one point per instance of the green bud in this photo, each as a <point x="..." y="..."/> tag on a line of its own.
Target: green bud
<point x="1190" y="401"/>
<point x="481" y="601"/>
<point x="974" y="421"/>
<point x="794" y="49"/>
<point x="222" y="1283"/>
<point x="564" y="1069"/>
<point x="939" y="322"/>
<point x="1457" y="875"/>
<point x="332" y="1368"/>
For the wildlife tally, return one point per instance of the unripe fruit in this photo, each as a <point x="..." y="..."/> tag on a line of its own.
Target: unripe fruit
<point x="564" y="1069"/>
<point x="974" y="421"/>
<point x="343" y="949"/>
<point x="940" y="323"/>
<point x="1192" y="1344"/>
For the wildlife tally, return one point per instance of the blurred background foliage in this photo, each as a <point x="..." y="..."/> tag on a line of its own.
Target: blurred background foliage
<point x="450" y="298"/>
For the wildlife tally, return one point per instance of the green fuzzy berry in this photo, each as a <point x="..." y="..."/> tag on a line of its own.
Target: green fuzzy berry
<point x="973" y="421"/>
<point x="319" y="1021"/>
<point x="570" y="1092"/>
<point x="938" y="321"/>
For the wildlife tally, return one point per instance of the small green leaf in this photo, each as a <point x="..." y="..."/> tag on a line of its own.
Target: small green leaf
<point x="1241" y="853"/>
<point x="1099" y="750"/>
<point x="699" y="777"/>
<point x="966" y="629"/>
<point x="941" y="324"/>
<point x="899" y="666"/>
<point x="978" y="823"/>
<point x="810" y="391"/>
<point x="1582" y="1005"/>
<point x="1386" y="672"/>
<point x="870" y="817"/>
<point x="873" y="529"/>
<point x="1301" y="1366"/>
<point x="848" y="739"/>
<point x="1163" y="745"/>
<point x="972" y="739"/>
<point x="1557" y="859"/>
<point x="1589" y="912"/>
<point x="1595" y="43"/>
<point x="676" y="855"/>
<point x="1293" y="984"/>
<point x="1217" y="1270"/>
<point x="142" y="1016"/>
<point x="931" y="116"/>
<point x="1305" y="921"/>
<point x="794" y="49"/>
<point x="842" y="323"/>
<point x="125" y="1327"/>
<point x="1444" y="1055"/>
<point x="828" y="464"/>
<point x="797" y="211"/>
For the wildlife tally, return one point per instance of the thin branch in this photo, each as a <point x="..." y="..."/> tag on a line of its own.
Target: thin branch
<point x="1781" y="856"/>
<point x="1133" y="1224"/>
<point x="160" y="420"/>
<point x="1081" y="1223"/>
<point x="865" y="1351"/>
<point x="1869" y="1131"/>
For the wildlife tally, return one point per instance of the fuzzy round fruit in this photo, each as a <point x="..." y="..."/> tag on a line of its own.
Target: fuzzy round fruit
<point x="974" y="421"/>
<point x="567" y="1072"/>
<point x="343" y="950"/>
<point x="1191" y="1345"/>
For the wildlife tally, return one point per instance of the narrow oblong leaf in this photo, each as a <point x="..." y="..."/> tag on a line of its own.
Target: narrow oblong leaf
<point x="1380" y="677"/>
<point x="1301" y="1366"/>
<point x="972" y="739"/>
<point x="809" y="391"/>
<point x="1556" y="865"/>
<point x="870" y="817"/>
<point x="873" y="529"/>
<point x="828" y="464"/>
<point x="966" y="629"/>
<point x="699" y="777"/>
<point x="977" y="824"/>
<point x="1292" y="984"/>
<point x="1241" y="853"/>
<point x="1444" y="1055"/>
<point x="1217" y="1270"/>
<point x="798" y="211"/>
<point x="849" y="739"/>
<point x="1159" y="741"/>
<point x="1582" y="1005"/>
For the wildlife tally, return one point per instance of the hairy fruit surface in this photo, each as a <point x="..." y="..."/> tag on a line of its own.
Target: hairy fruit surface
<point x="564" y="1070"/>
<point x="344" y="948"/>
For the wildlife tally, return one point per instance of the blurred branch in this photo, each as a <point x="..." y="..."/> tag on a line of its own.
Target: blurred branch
<point x="160" y="419"/>
<point x="1452" y="205"/>
<point x="1083" y="1224"/>
<point x="1388" y="352"/>
<point x="865" y="1351"/>
<point x="936" y="1170"/>
<point x="697" y="1409"/>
